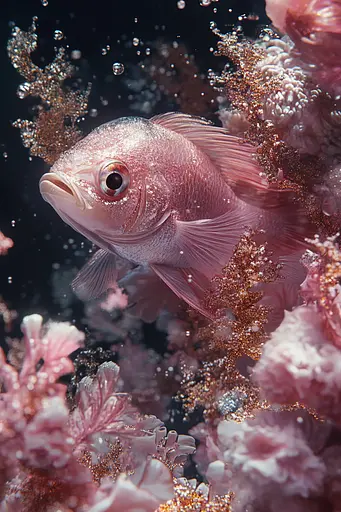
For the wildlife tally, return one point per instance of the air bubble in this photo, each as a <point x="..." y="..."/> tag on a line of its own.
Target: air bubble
<point x="23" y="90"/>
<point x="58" y="35"/>
<point x="136" y="41"/>
<point x="76" y="54"/>
<point x="44" y="3"/>
<point x="117" y="68"/>
<point x="181" y="4"/>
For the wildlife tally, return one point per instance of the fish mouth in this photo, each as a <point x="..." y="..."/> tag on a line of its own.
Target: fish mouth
<point x="53" y="185"/>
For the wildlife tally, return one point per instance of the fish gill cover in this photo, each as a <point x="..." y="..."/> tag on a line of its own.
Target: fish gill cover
<point x="197" y="367"/>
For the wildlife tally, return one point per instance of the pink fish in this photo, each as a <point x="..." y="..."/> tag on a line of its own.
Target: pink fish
<point x="169" y="198"/>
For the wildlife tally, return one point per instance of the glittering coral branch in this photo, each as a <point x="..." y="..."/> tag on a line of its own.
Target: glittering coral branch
<point x="54" y="129"/>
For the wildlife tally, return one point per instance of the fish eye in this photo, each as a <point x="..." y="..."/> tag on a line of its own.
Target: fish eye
<point x="114" y="180"/>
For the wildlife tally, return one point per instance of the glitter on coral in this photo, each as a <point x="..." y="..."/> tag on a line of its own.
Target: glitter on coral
<point x="260" y="383"/>
<point x="254" y="87"/>
<point x="234" y="336"/>
<point x="190" y="497"/>
<point x="48" y="135"/>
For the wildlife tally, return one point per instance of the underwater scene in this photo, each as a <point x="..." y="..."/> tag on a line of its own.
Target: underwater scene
<point x="170" y="287"/>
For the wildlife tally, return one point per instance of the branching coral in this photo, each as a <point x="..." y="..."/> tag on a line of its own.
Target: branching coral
<point x="105" y="454"/>
<point x="238" y="334"/>
<point x="55" y="128"/>
<point x="51" y="457"/>
<point x="301" y="361"/>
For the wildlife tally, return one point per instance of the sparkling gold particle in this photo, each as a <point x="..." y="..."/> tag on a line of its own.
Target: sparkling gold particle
<point x="54" y="129"/>
<point x="190" y="499"/>
<point x="109" y="464"/>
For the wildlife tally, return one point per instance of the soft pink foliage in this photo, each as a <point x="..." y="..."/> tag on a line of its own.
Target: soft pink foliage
<point x="144" y="492"/>
<point x="33" y="415"/>
<point x="299" y="364"/>
<point x="46" y="439"/>
<point x="116" y="299"/>
<point x="5" y="244"/>
<point x="315" y="28"/>
<point x="52" y="344"/>
<point x="265" y="457"/>
<point x="38" y="433"/>
<point x="101" y="410"/>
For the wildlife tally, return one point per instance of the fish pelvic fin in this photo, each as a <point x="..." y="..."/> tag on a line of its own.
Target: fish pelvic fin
<point x="99" y="274"/>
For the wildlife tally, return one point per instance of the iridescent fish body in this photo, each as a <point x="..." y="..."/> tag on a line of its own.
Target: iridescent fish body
<point x="166" y="200"/>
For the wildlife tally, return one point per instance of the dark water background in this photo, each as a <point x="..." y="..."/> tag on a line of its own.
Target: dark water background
<point x="41" y="238"/>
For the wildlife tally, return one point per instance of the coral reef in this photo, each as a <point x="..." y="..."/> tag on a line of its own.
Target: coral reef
<point x="82" y="425"/>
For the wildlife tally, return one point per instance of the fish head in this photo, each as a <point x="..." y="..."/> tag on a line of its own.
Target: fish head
<point x="110" y="182"/>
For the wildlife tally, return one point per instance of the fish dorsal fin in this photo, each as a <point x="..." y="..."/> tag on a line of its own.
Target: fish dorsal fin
<point x="233" y="158"/>
<point x="98" y="275"/>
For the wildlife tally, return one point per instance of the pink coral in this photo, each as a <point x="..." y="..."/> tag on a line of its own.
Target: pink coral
<point x="264" y="458"/>
<point x="315" y="28"/>
<point x="5" y="244"/>
<point x="116" y="299"/>
<point x="38" y="433"/>
<point x="46" y="439"/>
<point x="32" y="410"/>
<point x="144" y="492"/>
<point x="100" y="409"/>
<point x="299" y="364"/>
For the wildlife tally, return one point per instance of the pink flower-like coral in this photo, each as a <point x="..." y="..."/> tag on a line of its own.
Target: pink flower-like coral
<point x="150" y="486"/>
<point x="5" y="244"/>
<point x="315" y="28"/>
<point x="60" y="452"/>
<point x="33" y="414"/>
<point x="263" y="458"/>
<point x="299" y="364"/>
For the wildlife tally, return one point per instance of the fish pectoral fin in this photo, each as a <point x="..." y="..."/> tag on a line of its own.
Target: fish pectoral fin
<point x="208" y="244"/>
<point x="233" y="157"/>
<point x="98" y="275"/>
<point x="188" y="284"/>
